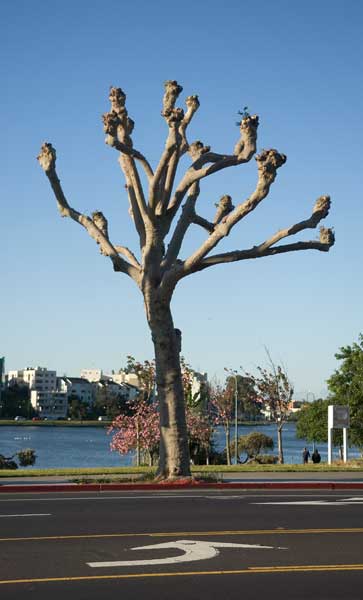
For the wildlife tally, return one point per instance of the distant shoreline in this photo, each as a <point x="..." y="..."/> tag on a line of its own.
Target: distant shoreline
<point x="50" y="423"/>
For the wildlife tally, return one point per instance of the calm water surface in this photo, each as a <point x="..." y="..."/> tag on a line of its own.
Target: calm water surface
<point x="90" y="446"/>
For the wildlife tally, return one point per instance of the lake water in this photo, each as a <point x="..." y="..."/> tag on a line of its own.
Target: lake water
<point x="58" y="447"/>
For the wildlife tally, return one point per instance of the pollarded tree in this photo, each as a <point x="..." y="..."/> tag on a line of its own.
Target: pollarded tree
<point x="154" y="211"/>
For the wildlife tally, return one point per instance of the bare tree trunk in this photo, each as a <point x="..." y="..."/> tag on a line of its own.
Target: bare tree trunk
<point x="279" y="443"/>
<point x="174" y="458"/>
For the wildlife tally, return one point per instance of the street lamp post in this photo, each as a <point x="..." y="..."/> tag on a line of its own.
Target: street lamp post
<point x="233" y="373"/>
<point x="310" y="394"/>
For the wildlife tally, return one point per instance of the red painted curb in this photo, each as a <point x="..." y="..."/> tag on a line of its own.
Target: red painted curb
<point x="258" y="485"/>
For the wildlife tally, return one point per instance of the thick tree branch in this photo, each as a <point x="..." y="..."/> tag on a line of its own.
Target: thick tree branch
<point x="181" y="228"/>
<point x="320" y="211"/>
<point x="171" y="94"/>
<point x="254" y="253"/>
<point x="128" y="254"/>
<point x="114" y="143"/>
<point x="268" y="162"/>
<point x="134" y="207"/>
<point x="192" y="103"/>
<point x="326" y="241"/>
<point x="243" y="152"/>
<point x="119" y="126"/>
<point x="207" y="225"/>
<point x="161" y="184"/>
<point x="224" y="207"/>
<point x="96" y="227"/>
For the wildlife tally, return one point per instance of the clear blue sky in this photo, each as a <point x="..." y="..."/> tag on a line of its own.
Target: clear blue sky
<point x="296" y="64"/>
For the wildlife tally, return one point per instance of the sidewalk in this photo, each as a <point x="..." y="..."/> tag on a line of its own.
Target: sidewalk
<point x="270" y="480"/>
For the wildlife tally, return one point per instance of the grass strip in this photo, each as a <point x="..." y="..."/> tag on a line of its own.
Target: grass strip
<point x="197" y="469"/>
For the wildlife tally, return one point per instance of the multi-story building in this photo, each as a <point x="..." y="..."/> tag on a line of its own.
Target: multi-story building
<point x="76" y="387"/>
<point x="49" y="404"/>
<point x="92" y="374"/>
<point x="39" y="379"/>
<point x="123" y="377"/>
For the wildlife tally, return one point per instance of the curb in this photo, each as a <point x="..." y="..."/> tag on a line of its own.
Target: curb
<point x="104" y="487"/>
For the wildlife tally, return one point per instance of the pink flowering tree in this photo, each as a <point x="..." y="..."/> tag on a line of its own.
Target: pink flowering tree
<point x="200" y="432"/>
<point x="222" y="408"/>
<point x="138" y="431"/>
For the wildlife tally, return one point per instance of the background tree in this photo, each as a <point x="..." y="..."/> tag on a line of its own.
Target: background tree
<point x="248" y="408"/>
<point x="145" y="372"/>
<point x="108" y="403"/>
<point x="200" y="433"/>
<point x="76" y="408"/>
<point x="346" y="387"/>
<point x="253" y="443"/>
<point x="15" y="401"/>
<point x="222" y="409"/>
<point x="155" y="201"/>
<point x="312" y="421"/>
<point x="275" y="391"/>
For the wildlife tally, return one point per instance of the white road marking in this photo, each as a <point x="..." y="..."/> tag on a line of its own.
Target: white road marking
<point x="338" y="502"/>
<point x="27" y="515"/>
<point x="193" y="550"/>
<point x="227" y="497"/>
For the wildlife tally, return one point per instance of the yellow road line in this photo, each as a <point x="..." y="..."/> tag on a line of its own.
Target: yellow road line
<point x="248" y="571"/>
<point x="187" y="534"/>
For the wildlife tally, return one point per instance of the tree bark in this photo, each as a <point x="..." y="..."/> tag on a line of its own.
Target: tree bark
<point x="174" y="458"/>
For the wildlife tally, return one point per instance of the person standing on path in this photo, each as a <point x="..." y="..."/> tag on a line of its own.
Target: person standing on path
<point x="315" y="457"/>
<point x="305" y="456"/>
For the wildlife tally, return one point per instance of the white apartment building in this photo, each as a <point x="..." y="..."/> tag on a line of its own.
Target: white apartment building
<point x="77" y="387"/>
<point x="38" y="378"/>
<point x="123" y="377"/>
<point x="49" y="404"/>
<point x="92" y="374"/>
<point x="95" y="375"/>
<point x="199" y="382"/>
<point x="15" y="378"/>
<point x="124" y="390"/>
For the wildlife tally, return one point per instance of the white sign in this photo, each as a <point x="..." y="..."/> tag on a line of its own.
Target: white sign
<point x="192" y="550"/>
<point x="338" y="418"/>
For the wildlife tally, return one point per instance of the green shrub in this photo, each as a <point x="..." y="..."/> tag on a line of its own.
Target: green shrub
<point x="266" y="459"/>
<point x="26" y="457"/>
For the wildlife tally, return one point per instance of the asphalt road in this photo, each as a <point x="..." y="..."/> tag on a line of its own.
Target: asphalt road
<point x="231" y="544"/>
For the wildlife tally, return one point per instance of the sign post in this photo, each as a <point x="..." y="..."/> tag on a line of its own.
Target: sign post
<point x="338" y="418"/>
